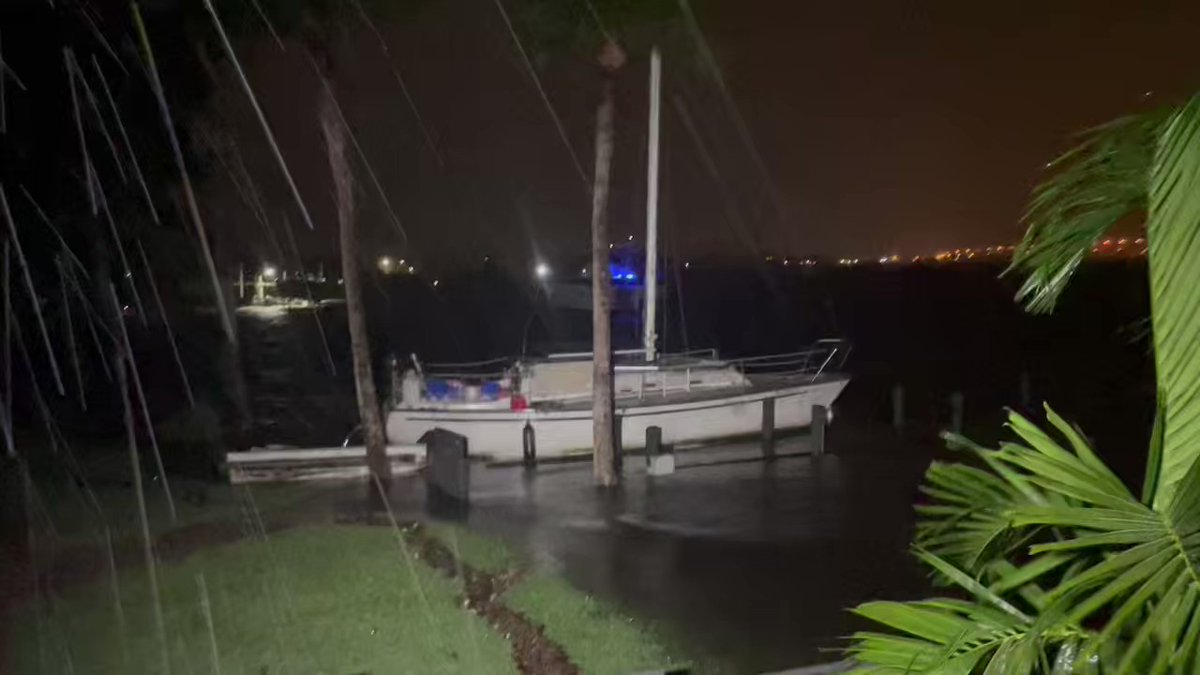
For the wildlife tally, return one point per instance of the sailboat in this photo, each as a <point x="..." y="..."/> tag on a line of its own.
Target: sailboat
<point x="504" y="405"/>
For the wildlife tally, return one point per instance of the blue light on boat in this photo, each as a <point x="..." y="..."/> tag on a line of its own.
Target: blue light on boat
<point x="622" y="274"/>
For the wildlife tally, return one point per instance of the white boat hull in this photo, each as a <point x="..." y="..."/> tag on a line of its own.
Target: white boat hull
<point x="497" y="433"/>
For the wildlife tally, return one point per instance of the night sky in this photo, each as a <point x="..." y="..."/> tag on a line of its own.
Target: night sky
<point x="883" y="126"/>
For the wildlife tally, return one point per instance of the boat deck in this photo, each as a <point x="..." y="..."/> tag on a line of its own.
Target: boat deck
<point x="759" y="384"/>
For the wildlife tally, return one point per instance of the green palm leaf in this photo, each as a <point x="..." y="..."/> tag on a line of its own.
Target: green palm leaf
<point x="1097" y="184"/>
<point x="1099" y="574"/>
<point x="1173" y="226"/>
<point x="1146" y="163"/>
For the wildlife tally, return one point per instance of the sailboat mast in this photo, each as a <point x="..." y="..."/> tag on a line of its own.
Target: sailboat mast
<point x="650" y="280"/>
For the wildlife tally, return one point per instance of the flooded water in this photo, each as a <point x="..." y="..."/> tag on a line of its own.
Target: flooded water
<point x="746" y="566"/>
<point x="750" y="566"/>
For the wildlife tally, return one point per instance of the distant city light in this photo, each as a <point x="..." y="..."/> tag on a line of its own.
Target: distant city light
<point x="412" y="270"/>
<point x="542" y="270"/>
<point x="583" y="272"/>
<point x="687" y="265"/>
<point x="631" y="237"/>
<point x="435" y="283"/>
<point x="269" y="272"/>
<point x="1109" y="247"/>
<point x="386" y="264"/>
<point x="610" y="245"/>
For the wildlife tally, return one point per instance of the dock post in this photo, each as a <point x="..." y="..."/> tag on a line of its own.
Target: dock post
<point x="660" y="460"/>
<point x="448" y="474"/>
<point x="528" y="446"/>
<point x="820" y="419"/>
<point x="653" y="442"/>
<point x="768" y="428"/>
<point x="898" y="408"/>
<point x="618" y="443"/>
<point x="956" y="412"/>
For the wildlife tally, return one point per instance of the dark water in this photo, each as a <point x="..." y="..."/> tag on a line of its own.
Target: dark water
<point x="934" y="330"/>
<point x="747" y="566"/>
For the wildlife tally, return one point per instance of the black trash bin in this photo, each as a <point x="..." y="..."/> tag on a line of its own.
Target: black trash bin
<point x="448" y="473"/>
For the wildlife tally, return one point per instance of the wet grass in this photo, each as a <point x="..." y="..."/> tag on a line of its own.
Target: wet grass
<point x="483" y="553"/>
<point x="325" y="599"/>
<point x="329" y="598"/>
<point x="599" y="638"/>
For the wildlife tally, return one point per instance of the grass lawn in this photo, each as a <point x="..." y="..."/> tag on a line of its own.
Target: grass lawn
<point x="325" y="599"/>
<point x="335" y="599"/>
<point x="599" y="638"/>
<point x="482" y="553"/>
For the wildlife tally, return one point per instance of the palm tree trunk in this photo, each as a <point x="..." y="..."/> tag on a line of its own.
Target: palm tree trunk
<point x="604" y="469"/>
<point x="360" y="348"/>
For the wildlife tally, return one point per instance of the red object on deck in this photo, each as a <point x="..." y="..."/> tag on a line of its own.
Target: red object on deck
<point x="519" y="402"/>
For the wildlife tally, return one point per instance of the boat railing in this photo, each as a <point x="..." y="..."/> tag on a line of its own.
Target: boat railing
<point x="627" y="355"/>
<point x="582" y="356"/>
<point x="487" y="369"/>
<point x="826" y="355"/>
<point x="681" y="372"/>
<point x="685" y="372"/>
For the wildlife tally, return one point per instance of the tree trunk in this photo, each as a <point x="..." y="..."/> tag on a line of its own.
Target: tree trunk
<point x="360" y="348"/>
<point x="604" y="469"/>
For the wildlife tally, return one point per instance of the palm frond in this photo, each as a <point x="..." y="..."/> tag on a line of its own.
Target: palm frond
<point x="1096" y="184"/>
<point x="1098" y="575"/>
<point x="1173" y="228"/>
<point x="951" y="636"/>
